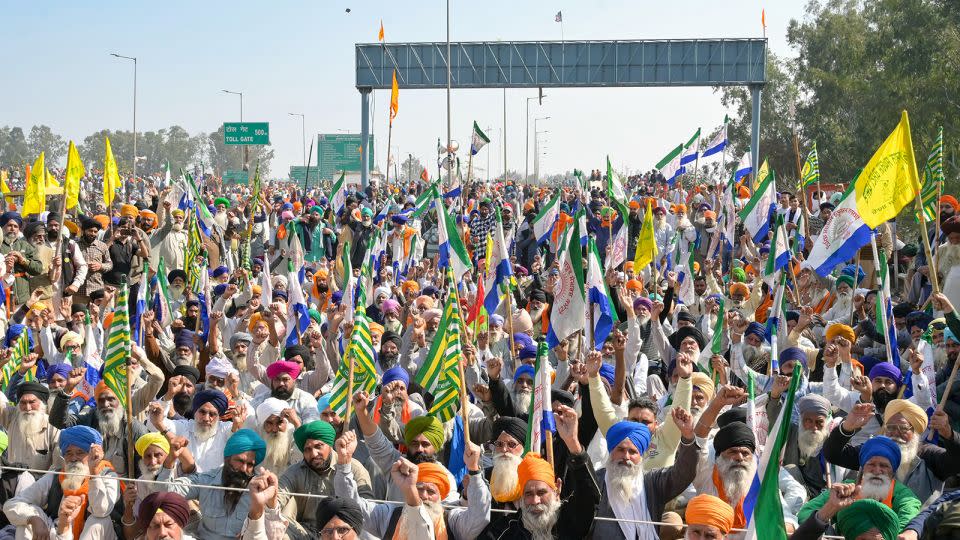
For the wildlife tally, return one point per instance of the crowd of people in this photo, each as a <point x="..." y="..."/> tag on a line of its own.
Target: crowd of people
<point x="231" y="426"/>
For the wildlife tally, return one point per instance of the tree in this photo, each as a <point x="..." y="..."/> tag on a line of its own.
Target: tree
<point x="410" y="168"/>
<point x="14" y="150"/>
<point x="776" y="138"/>
<point x="43" y="139"/>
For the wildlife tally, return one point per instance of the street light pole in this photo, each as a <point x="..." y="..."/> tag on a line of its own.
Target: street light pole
<point x="134" y="59"/>
<point x="536" y="150"/>
<point x="246" y="155"/>
<point x="449" y="78"/>
<point x="303" y="134"/>
<point x="526" y="157"/>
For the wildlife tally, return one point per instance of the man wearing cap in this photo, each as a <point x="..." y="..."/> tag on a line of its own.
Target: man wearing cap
<point x="314" y="474"/>
<point x="423" y="487"/>
<point x="33" y="440"/>
<point x="97" y="255"/>
<point x="205" y="432"/>
<point x="224" y="512"/>
<point x="921" y="467"/>
<point x="20" y="256"/>
<point x="282" y="376"/>
<point x="877" y="460"/>
<point x="65" y="500"/>
<point x="628" y="492"/>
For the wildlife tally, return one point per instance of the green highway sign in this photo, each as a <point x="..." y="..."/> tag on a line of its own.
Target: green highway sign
<point x="235" y="177"/>
<point x="254" y="133"/>
<point x="340" y="152"/>
<point x="299" y="173"/>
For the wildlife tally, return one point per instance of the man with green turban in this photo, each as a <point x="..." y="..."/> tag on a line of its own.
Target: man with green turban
<point x="314" y="474"/>
<point x="868" y="519"/>
<point x="423" y="440"/>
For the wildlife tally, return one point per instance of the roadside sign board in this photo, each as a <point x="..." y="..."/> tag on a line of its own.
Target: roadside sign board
<point x="340" y="152"/>
<point x="252" y="133"/>
<point x="235" y="177"/>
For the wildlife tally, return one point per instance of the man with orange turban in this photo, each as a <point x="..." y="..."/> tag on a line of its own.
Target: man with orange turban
<point x="708" y="517"/>
<point x="542" y="513"/>
<point x="422" y="487"/>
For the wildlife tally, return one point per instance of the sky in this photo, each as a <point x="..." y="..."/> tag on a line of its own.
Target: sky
<point x="298" y="56"/>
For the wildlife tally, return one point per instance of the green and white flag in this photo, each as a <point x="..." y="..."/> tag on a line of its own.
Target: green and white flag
<point x="338" y="194"/>
<point x="478" y="140"/>
<point x="569" y="306"/>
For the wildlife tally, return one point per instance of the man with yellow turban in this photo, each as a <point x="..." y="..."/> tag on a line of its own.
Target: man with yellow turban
<point x="422" y="487"/>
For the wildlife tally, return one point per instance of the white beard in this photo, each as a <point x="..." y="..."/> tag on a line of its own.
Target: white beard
<point x="71" y="482"/>
<point x="841" y="307"/>
<point x="737" y="478"/>
<point x="623" y="479"/>
<point x="522" y="399"/>
<point x="875" y="486"/>
<point x="811" y="441"/>
<point x="948" y="256"/>
<point x="908" y="456"/>
<point x="696" y="412"/>
<point x="109" y="420"/>
<point x="149" y="473"/>
<point x="204" y="433"/>
<point x="754" y="355"/>
<point x="643" y="319"/>
<point x="540" y="525"/>
<point x="29" y="424"/>
<point x="278" y="450"/>
<point x="434" y="512"/>
<point x="940" y="358"/>
<point x="504" y="478"/>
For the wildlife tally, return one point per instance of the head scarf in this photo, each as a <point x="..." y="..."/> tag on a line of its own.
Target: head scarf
<point x="436" y="474"/>
<point x="172" y="504"/>
<point x="346" y="509"/>
<point x="317" y="430"/>
<point x="814" y="403"/>
<point x="912" y="412"/>
<point x="245" y="440"/>
<point x="154" y="438"/>
<point x="280" y="367"/>
<point x="866" y="514"/>
<point x="639" y="435"/>
<point x="429" y="427"/>
<point x="733" y="435"/>
<point x="709" y="510"/>
<point x="881" y="446"/>
<point x="534" y="467"/>
<point x="83" y="437"/>
<point x="210" y="395"/>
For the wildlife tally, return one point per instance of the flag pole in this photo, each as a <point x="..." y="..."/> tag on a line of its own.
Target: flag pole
<point x="931" y="263"/>
<point x="513" y="345"/>
<point x="803" y="191"/>
<point x="349" y="382"/>
<point x="883" y="296"/>
<point x="129" y="405"/>
<point x="856" y="274"/>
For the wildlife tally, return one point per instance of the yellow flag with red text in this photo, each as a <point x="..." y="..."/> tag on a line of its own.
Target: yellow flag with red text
<point x="890" y="180"/>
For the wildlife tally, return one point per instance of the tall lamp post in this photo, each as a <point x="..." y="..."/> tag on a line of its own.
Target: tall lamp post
<point x="245" y="154"/>
<point x="134" y="59"/>
<point x="526" y="158"/>
<point x="536" y="152"/>
<point x="535" y="132"/>
<point x="303" y="134"/>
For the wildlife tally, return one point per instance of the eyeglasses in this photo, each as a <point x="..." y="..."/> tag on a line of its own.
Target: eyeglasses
<point x="897" y="428"/>
<point x="335" y="532"/>
<point x="509" y="445"/>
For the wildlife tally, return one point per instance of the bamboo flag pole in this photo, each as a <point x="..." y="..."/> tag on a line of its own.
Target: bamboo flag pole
<point x="931" y="263"/>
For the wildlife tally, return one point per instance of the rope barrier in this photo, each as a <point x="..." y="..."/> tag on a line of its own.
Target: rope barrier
<point x="319" y="496"/>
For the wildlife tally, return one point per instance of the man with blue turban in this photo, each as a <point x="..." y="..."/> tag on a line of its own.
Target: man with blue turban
<point x="394" y="408"/>
<point x="630" y="495"/>
<point x="878" y="460"/>
<point x="86" y="488"/>
<point x="224" y="511"/>
<point x="205" y="433"/>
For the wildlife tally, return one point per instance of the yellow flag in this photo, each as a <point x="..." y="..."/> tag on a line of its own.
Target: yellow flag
<point x="761" y="175"/>
<point x="50" y="180"/>
<point x="394" y="98"/>
<point x="111" y="177"/>
<point x="646" y="242"/>
<point x="4" y="188"/>
<point x="890" y="180"/>
<point x="71" y="181"/>
<point x="35" y="192"/>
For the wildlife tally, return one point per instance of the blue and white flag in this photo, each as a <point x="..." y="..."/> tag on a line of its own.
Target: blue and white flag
<point x="544" y="222"/>
<point x="842" y="236"/>
<point x="500" y="270"/>
<point x="691" y="150"/>
<point x="540" y="414"/>
<point x="599" y="298"/>
<point x="717" y="143"/>
<point x="744" y="168"/>
<point x="779" y="255"/>
<point x="756" y="214"/>
<point x="298" y="317"/>
<point x="451" y="250"/>
<point x="774" y="322"/>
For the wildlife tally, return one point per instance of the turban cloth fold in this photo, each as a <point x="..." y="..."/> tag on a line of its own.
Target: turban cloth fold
<point x="429" y="427"/>
<point x="409" y="286"/>
<point x="346" y="509"/>
<point x="637" y="433"/>
<point x="840" y="330"/>
<point x="396" y="373"/>
<point x="734" y="435"/>
<point x="739" y="288"/>
<point x="185" y="338"/>
<point x="734" y="414"/>
<point x="296" y="350"/>
<point x="148" y="439"/>
<point x="814" y="403"/>
<point x="888" y="370"/>
<point x="37" y="389"/>
<point x="845" y="279"/>
<point x="389" y="336"/>
<point x="738" y="275"/>
<point x="756" y="329"/>
<point x="644" y="302"/>
<point x="255" y="319"/>
<point x="866" y="514"/>
<point x="608" y="373"/>
<point x="281" y="367"/>
<point x="883" y="447"/>
<point x="323" y="402"/>
<point x="189" y="372"/>
<point x="7" y="217"/>
<point x="219" y="367"/>
<point x="704" y="383"/>
<point x="245" y="440"/>
<point x="270" y="407"/>
<point x="522" y="340"/>
<point x="911" y="411"/>
<point x="793" y="354"/>
<point x="562" y="397"/>
<point x="70" y="336"/>
<point x="317" y="430"/>
<point x="512" y="426"/>
<point x="172" y="504"/>
<point x="83" y="437"/>
<point x="683" y="333"/>
<point x="534" y="467"/>
<point x="62" y="370"/>
<point x="436" y="474"/>
<point x="709" y="510"/>
<point x="524" y="369"/>
<point x="215" y="397"/>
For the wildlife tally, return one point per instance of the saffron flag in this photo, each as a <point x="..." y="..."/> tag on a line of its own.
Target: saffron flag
<point x="35" y="191"/>
<point x="394" y="93"/>
<point x="111" y="175"/>
<point x="71" y="181"/>
<point x="646" y="243"/>
<point x="889" y="181"/>
<point x="380" y="34"/>
<point x="4" y="187"/>
<point x="118" y="348"/>
<point x="566" y="312"/>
